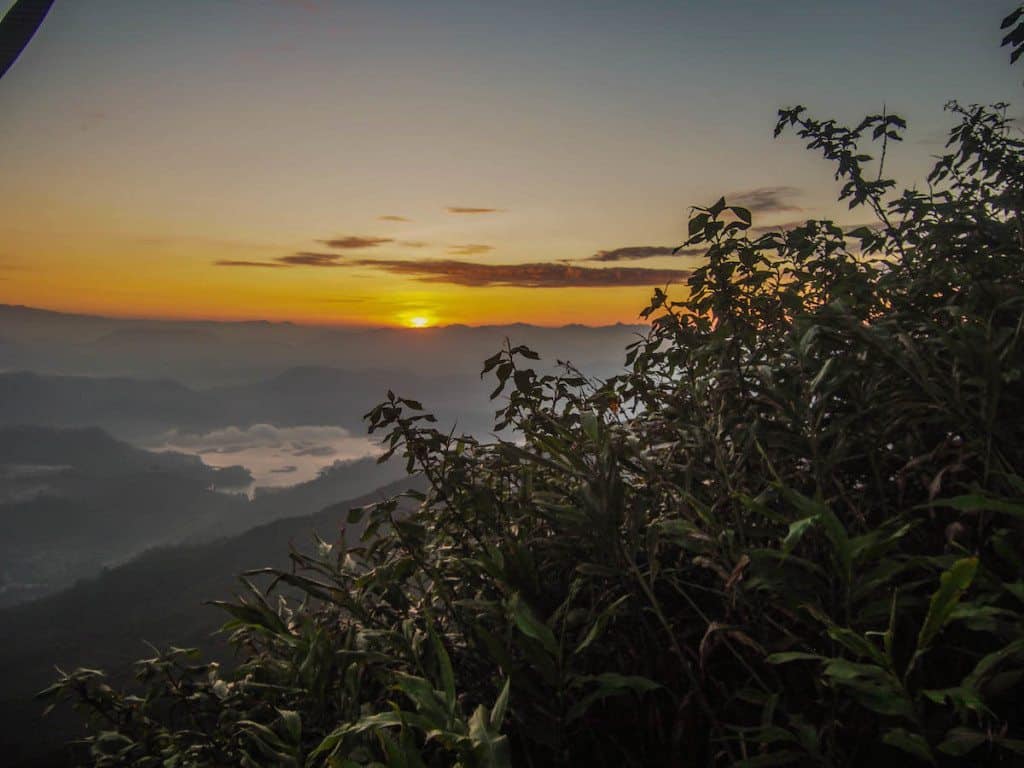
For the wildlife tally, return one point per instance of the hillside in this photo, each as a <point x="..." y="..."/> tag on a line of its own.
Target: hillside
<point x="75" y="500"/>
<point x="158" y="597"/>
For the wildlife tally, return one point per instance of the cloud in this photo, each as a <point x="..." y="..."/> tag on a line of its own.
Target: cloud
<point x="464" y="209"/>
<point x="243" y="263"/>
<point x="352" y="242"/>
<point x="631" y="253"/>
<point x="310" y="259"/>
<point x="469" y="249"/>
<point x="413" y="243"/>
<point x="766" y="199"/>
<point x="391" y="217"/>
<point x="535" y="275"/>
<point x="788" y="225"/>
<point x="762" y="229"/>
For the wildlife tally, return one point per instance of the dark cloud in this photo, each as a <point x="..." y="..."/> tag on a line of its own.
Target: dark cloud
<point x="535" y="275"/>
<point x="301" y="259"/>
<point x="766" y="199"/>
<point x="788" y="225"/>
<point x="352" y="242"/>
<point x="464" y="209"/>
<point x="243" y="263"/>
<point x="393" y="218"/>
<point x="631" y="253"/>
<point x="311" y="259"/>
<point x="470" y="249"/>
<point x="316" y="450"/>
<point x="785" y="226"/>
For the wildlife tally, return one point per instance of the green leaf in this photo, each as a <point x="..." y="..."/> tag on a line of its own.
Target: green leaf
<point x="599" y="624"/>
<point x="788" y="656"/>
<point x="952" y="585"/>
<point x="447" y="674"/>
<point x="531" y="626"/>
<point x="912" y="743"/>
<point x="797" y="529"/>
<point x="609" y="684"/>
<point x="960" y="741"/>
<point x="500" y="705"/>
<point x="976" y="502"/>
<point x="489" y="747"/>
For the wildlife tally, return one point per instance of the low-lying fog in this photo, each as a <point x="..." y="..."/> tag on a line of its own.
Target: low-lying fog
<point x="275" y="456"/>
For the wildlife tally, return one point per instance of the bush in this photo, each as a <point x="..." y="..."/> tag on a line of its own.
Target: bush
<point x="789" y="534"/>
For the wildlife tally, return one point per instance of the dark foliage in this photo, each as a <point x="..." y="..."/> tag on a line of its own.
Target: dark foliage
<point x="789" y="534"/>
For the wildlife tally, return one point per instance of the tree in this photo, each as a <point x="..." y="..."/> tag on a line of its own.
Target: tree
<point x="790" y="533"/>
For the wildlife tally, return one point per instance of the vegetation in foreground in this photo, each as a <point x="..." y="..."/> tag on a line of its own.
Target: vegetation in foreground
<point x="789" y="534"/>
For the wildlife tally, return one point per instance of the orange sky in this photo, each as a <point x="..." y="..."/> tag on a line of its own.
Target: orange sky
<point x="368" y="163"/>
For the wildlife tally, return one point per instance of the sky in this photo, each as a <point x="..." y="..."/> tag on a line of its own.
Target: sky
<point x="400" y="162"/>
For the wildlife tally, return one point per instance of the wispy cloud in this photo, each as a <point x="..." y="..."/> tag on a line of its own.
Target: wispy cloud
<point x="534" y="275"/>
<point x="311" y="259"/>
<point x="762" y="229"/>
<point x="766" y="199"/>
<point x="631" y="253"/>
<point x="788" y="225"/>
<point x="466" y="209"/>
<point x="470" y="249"/>
<point x="245" y="263"/>
<point x="392" y="217"/>
<point x="352" y="242"/>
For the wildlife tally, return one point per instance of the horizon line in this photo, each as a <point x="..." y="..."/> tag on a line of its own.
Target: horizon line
<point x="299" y="323"/>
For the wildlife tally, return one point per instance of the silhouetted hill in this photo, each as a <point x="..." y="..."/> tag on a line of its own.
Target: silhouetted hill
<point x="158" y="597"/>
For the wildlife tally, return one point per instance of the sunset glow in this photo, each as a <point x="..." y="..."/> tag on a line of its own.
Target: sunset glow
<point x="237" y="160"/>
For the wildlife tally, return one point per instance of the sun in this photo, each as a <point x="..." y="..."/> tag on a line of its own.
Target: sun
<point x="419" y="322"/>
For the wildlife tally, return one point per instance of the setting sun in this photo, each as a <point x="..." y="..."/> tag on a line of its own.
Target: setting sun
<point x="419" y="322"/>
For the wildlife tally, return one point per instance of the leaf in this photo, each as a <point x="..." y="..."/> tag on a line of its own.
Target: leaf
<point x="960" y="741"/>
<point x="597" y="627"/>
<point x="609" y="684"/>
<point x="788" y="656"/>
<point x="500" y="705"/>
<point x="531" y="626"/>
<point x="912" y="743"/>
<point x="952" y="584"/>
<point x="976" y="502"/>
<point x="797" y="529"/>
<point x="447" y="674"/>
<point x="991" y="661"/>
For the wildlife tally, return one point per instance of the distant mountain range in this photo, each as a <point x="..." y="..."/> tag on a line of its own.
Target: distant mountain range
<point x="208" y="353"/>
<point x="141" y="408"/>
<point x="73" y="501"/>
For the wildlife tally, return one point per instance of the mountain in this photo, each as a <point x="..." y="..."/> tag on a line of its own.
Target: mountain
<point x="73" y="501"/>
<point x="143" y="409"/>
<point x="158" y="597"/>
<point x="206" y="353"/>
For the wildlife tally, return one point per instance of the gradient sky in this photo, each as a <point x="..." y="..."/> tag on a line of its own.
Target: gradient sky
<point x="328" y="161"/>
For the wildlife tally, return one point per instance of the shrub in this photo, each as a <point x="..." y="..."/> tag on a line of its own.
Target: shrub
<point x="790" y="533"/>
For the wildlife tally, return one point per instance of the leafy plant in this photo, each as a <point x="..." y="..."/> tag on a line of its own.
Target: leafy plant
<point x="790" y="533"/>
